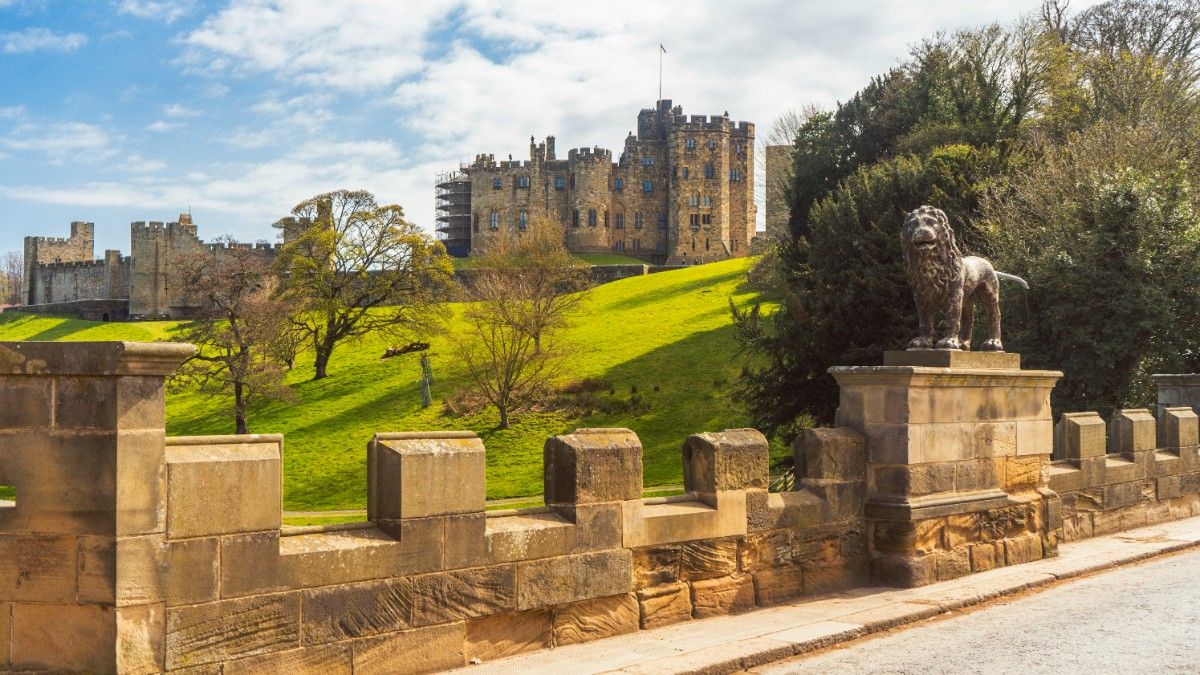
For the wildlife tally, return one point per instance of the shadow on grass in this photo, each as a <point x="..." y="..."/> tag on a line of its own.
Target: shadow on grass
<point x="705" y="283"/>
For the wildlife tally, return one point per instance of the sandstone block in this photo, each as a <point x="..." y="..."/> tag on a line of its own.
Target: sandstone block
<point x="66" y="482"/>
<point x="839" y="454"/>
<point x="250" y="564"/>
<point x="1122" y="495"/>
<point x="952" y="564"/>
<point x="1178" y="428"/>
<point x="422" y="474"/>
<point x="192" y="570"/>
<point x="494" y="637"/>
<point x="63" y="637"/>
<point x="140" y="570"/>
<point x="413" y="651"/>
<point x="1132" y="431"/>
<point x="726" y="595"/>
<point x="596" y="618"/>
<point x="140" y="645"/>
<point x="531" y="536"/>
<point x="707" y="559"/>
<point x="1081" y="435"/>
<point x="828" y="577"/>
<point x="983" y="557"/>
<point x="920" y="537"/>
<point x="557" y="581"/>
<point x="335" y="613"/>
<point x="141" y="482"/>
<point x="663" y="605"/>
<point x="1023" y="549"/>
<point x="465" y="540"/>
<point x="1023" y="473"/>
<point x="916" y="479"/>
<point x="332" y="659"/>
<point x="38" y="568"/>
<point x="976" y="474"/>
<point x="656" y="565"/>
<point x="1077" y="527"/>
<point x="25" y="403"/>
<point x="230" y="629"/>
<point x="764" y="550"/>
<point x="593" y="465"/>
<point x="463" y="594"/>
<point x="597" y="526"/>
<point x="962" y="529"/>
<point x="778" y="585"/>
<point x="245" y="474"/>
<point x="906" y="571"/>
<point x="1035" y="437"/>
<point x="734" y="459"/>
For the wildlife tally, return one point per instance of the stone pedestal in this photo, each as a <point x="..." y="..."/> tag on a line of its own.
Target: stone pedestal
<point x="958" y="445"/>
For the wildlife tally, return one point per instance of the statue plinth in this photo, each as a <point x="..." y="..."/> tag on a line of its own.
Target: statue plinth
<point x="957" y="442"/>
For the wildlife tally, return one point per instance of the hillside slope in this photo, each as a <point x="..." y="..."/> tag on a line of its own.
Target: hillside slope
<point x="664" y="340"/>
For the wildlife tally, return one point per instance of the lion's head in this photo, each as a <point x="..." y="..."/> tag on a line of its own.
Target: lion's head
<point x="931" y="256"/>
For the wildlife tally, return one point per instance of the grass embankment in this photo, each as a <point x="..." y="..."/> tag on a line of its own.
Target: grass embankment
<point x="667" y="336"/>
<point x="589" y="258"/>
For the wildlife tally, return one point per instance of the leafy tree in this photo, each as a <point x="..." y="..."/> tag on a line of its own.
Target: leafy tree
<point x="352" y="267"/>
<point x="12" y="273"/>
<point x="1105" y="229"/>
<point x="236" y="328"/>
<point x="525" y="291"/>
<point x="847" y="299"/>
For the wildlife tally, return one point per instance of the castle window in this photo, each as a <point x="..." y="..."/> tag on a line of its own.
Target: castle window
<point x="637" y="220"/>
<point x="706" y="243"/>
<point x="712" y="144"/>
<point x="693" y="243"/>
<point x="706" y="219"/>
<point x="685" y="172"/>
<point x="619" y="245"/>
<point x="572" y="180"/>
<point x="497" y="183"/>
<point x="637" y="244"/>
<point x="575" y="218"/>
<point x="709" y="171"/>
<point x="662" y="221"/>
<point x="619" y="221"/>
<point x="694" y="220"/>
<point x="647" y="185"/>
<point x="606" y="218"/>
<point x="662" y="247"/>
<point x="735" y="174"/>
<point x="619" y="184"/>
<point x="648" y="161"/>
<point x="523" y="182"/>
<point x="476" y="221"/>
<point x="706" y="200"/>
<point x="560" y="183"/>
<point x="495" y="220"/>
<point x="690" y="143"/>
<point x="522" y="220"/>
<point x="591" y="217"/>
<point x="694" y="199"/>
<point x="737" y="149"/>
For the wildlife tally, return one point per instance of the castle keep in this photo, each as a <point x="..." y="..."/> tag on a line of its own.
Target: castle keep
<point x="682" y="192"/>
<point x="62" y="276"/>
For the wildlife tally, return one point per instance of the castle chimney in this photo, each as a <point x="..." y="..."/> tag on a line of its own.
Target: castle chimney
<point x="185" y="219"/>
<point x="549" y="148"/>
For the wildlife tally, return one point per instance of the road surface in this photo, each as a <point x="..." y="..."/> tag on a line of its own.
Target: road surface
<point x="1138" y="619"/>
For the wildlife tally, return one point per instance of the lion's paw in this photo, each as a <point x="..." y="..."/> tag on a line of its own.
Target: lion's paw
<point x="920" y="343"/>
<point x="949" y="343"/>
<point x="992" y="345"/>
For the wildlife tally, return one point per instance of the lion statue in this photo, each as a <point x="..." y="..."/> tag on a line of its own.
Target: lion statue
<point x="945" y="282"/>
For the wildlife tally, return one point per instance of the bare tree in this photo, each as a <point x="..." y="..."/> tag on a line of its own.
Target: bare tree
<point x="353" y="267"/>
<point x="237" y="327"/>
<point x="12" y="274"/>
<point x="526" y="290"/>
<point x="783" y="131"/>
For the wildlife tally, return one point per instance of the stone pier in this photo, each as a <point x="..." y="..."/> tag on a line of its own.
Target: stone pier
<point x="957" y="445"/>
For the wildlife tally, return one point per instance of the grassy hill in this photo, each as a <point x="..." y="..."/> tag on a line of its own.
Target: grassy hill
<point x="664" y="340"/>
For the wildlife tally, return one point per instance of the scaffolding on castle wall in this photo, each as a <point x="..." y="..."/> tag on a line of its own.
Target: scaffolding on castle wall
<point x="452" y="203"/>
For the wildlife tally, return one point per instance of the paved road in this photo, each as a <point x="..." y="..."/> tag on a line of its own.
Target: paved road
<point x="1138" y="619"/>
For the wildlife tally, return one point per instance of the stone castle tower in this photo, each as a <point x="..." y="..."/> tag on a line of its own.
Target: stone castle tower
<point x="681" y="192"/>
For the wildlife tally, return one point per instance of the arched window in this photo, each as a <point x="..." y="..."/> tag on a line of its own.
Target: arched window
<point x="497" y="183"/>
<point x="591" y="217"/>
<point x="647" y="185"/>
<point x="619" y="184"/>
<point x="494" y="222"/>
<point x="522" y="220"/>
<point x="689" y="143"/>
<point x="575" y="218"/>
<point x="637" y="220"/>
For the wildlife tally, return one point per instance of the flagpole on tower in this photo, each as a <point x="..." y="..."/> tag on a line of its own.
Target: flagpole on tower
<point x="661" y="50"/>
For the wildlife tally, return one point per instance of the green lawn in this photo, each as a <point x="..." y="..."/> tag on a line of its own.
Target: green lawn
<point x="668" y="336"/>
<point x="589" y="258"/>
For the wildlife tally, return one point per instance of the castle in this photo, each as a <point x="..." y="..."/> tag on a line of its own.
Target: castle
<point x="62" y="276"/>
<point x="682" y="192"/>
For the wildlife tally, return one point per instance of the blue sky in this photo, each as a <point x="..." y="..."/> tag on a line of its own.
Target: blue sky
<point x="121" y="110"/>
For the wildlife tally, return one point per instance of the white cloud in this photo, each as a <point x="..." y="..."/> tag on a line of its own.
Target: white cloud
<point x="39" y="39"/>
<point x="162" y="10"/>
<point x="352" y="44"/>
<point x="162" y="126"/>
<point x="59" y="141"/>
<point x="135" y="163"/>
<point x="177" y="110"/>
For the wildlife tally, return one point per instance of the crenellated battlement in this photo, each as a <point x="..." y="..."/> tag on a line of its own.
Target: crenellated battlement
<point x="596" y="154"/>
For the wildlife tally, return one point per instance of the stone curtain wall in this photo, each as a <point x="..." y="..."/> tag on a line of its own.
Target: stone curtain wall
<point x="130" y="552"/>
<point x="1132" y="472"/>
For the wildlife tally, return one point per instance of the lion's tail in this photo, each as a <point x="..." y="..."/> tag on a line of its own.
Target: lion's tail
<point x="1012" y="277"/>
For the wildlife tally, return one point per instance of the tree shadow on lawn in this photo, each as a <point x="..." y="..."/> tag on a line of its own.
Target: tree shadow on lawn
<point x="657" y="295"/>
